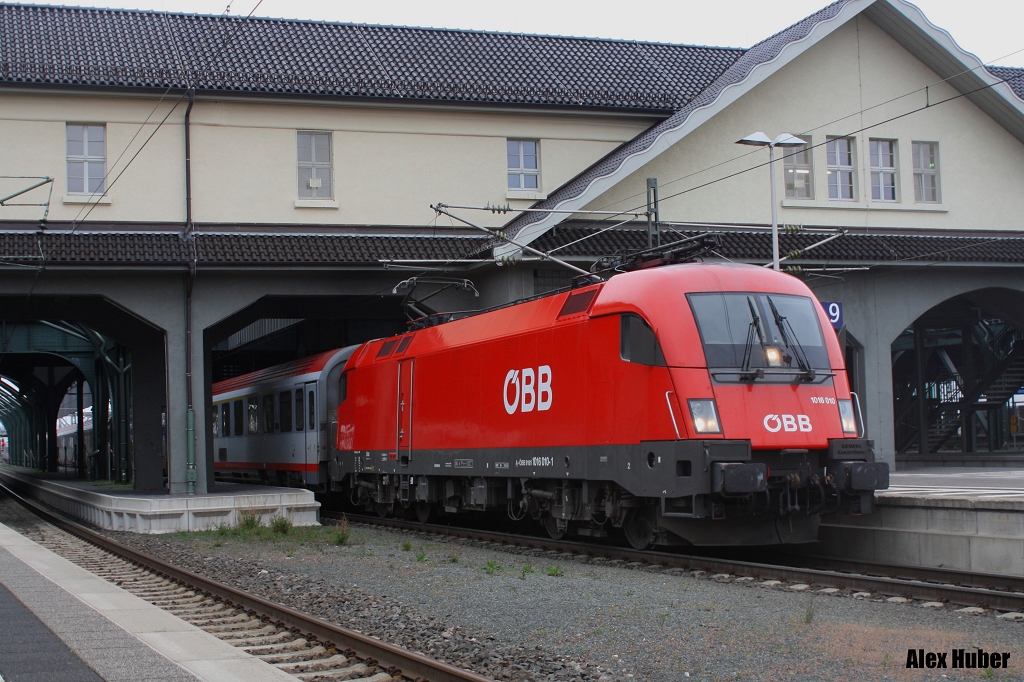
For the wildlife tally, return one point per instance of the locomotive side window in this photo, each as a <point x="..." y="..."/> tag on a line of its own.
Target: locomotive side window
<point x="215" y="422"/>
<point x="386" y="349"/>
<point x="298" y="409"/>
<point x="254" y="417"/>
<point x="225" y="419"/>
<point x="312" y="411"/>
<point x="286" y="410"/>
<point x="239" y="418"/>
<point x="637" y="342"/>
<point x="268" y="413"/>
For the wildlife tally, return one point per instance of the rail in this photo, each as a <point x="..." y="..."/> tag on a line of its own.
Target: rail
<point x="999" y="592"/>
<point x="407" y="663"/>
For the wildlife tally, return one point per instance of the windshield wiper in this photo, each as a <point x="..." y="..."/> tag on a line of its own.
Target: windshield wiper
<point x="754" y="326"/>
<point x="790" y="339"/>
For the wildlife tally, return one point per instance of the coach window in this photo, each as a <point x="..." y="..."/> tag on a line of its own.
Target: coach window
<point x="343" y="388"/>
<point x="215" y="422"/>
<point x="637" y="342"/>
<point x="299" y="416"/>
<point x="225" y="419"/>
<point x="239" y="418"/>
<point x="254" y="416"/>
<point x="268" y="413"/>
<point x="312" y="411"/>
<point x="286" y="410"/>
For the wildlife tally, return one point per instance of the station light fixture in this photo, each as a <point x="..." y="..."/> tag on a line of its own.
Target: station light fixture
<point x="705" y="416"/>
<point x="759" y="139"/>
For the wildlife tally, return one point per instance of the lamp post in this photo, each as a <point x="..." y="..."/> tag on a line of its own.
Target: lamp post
<point x="759" y="139"/>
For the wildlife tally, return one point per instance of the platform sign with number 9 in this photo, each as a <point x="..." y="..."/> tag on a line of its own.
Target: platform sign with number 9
<point x="834" y="310"/>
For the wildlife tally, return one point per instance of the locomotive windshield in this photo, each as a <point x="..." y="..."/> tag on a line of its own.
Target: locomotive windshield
<point x="757" y="330"/>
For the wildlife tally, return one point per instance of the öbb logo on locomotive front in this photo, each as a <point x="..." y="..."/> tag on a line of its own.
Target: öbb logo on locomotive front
<point x="530" y="389"/>
<point x="788" y="422"/>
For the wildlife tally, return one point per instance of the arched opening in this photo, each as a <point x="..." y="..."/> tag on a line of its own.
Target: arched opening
<point x="956" y="371"/>
<point x="57" y="350"/>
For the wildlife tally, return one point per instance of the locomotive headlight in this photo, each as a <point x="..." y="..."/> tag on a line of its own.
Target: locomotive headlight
<point x="847" y="416"/>
<point x="705" y="416"/>
<point x="773" y="356"/>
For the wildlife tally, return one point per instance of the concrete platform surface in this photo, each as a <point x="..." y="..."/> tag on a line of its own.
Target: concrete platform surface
<point x="965" y="518"/>
<point x="960" y="479"/>
<point x="119" y="636"/>
<point x="116" y="508"/>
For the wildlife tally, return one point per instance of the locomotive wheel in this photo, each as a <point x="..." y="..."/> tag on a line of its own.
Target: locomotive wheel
<point x="424" y="511"/>
<point x="551" y="526"/>
<point x="383" y="510"/>
<point x="638" y="529"/>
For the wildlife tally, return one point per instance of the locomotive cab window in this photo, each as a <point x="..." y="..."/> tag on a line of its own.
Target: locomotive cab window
<point x="637" y="342"/>
<point x="286" y="410"/>
<point x="298" y="409"/>
<point x="239" y="418"/>
<point x="268" y="413"/>
<point x="761" y="330"/>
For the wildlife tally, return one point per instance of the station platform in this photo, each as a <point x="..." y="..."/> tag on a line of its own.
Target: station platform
<point x="61" y="623"/>
<point x="121" y="508"/>
<point x="964" y="518"/>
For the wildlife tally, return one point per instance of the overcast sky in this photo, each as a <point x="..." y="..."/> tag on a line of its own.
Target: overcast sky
<point x="991" y="29"/>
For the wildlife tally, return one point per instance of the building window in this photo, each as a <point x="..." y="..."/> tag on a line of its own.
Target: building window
<point x="926" y="172"/>
<point x="523" y="169"/>
<point x="799" y="178"/>
<point x="87" y="159"/>
<point x="839" y="156"/>
<point x="315" y="168"/>
<point x="883" y="170"/>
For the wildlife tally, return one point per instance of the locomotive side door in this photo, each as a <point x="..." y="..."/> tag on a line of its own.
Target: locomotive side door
<point x="403" y="438"/>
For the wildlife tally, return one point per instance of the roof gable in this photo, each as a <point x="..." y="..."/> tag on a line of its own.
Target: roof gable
<point x="901" y="20"/>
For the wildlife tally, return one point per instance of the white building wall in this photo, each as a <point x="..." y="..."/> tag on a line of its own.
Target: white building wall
<point x="390" y="164"/>
<point x="861" y="73"/>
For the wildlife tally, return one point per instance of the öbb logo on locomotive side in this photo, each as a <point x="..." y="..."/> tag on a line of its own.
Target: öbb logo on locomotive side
<point x="787" y="422"/>
<point x="527" y="390"/>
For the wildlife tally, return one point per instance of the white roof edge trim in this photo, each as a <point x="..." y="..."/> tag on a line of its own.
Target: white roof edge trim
<point x="946" y="40"/>
<point x="758" y="74"/>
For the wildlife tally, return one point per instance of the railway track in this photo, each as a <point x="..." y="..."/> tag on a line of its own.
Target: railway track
<point x="988" y="591"/>
<point x="310" y="649"/>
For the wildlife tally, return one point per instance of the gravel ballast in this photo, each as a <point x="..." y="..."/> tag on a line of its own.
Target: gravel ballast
<point x="516" y="614"/>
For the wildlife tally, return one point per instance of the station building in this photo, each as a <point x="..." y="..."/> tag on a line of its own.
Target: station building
<point x="187" y="198"/>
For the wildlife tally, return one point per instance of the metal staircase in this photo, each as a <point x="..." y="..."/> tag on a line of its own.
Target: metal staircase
<point x="995" y="360"/>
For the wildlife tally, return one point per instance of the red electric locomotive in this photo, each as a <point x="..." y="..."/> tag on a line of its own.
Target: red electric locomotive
<point x="700" y="403"/>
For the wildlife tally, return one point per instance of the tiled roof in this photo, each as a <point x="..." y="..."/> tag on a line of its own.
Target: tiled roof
<point x="1013" y="76"/>
<point x="762" y="52"/>
<point x="155" y="50"/>
<point x="756" y="245"/>
<point x="58" y="246"/>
